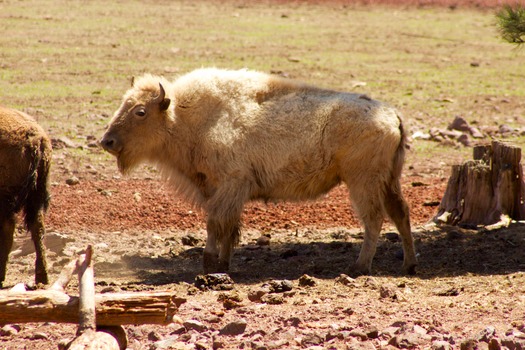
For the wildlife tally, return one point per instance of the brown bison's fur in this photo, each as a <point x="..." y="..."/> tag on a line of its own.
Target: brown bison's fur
<point x="223" y="138"/>
<point x="25" y="156"/>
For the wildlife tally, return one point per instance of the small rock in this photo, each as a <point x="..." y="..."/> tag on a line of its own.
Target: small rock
<point x="390" y="331"/>
<point x="214" y="281"/>
<point x="195" y="325"/>
<point x="405" y="341"/>
<point x="217" y="344"/>
<point x="73" y="181"/>
<point x="311" y="339"/>
<point x="230" y="301"/>
<point x="441" y="345"/>
<point x="464" y="140"/>
<point x="372" y="332"/>
<point x="307" y="281"/>
<point x="358" y="333"/>
<point x="469" y="344"/>
<point x="494" y="344"/>
<point x="170" y="343"/>
<point x="190" y="240"/>
<point x="459" y="123"/>
<point x="234" y="328"/>
<point x="357" y="345"/>
<point x="486" y="334"/>
<point x="475" y="133"/>
<point x="345" y="280"/>
<point x="273" y="299"/>
<point x="280" y="286"/>
<point x="505" y="129"/>
<point x="263" y="240"/>
<point x="256" y="295"/>
<point x="388" y="291"/>
<point x="9" y="330"/>
<point x="39" y="336"/>
<point x="154" y="336"/>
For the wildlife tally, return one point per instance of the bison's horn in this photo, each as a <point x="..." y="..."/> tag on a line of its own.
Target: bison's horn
<point x="161" y="95"/>
<point x="163" y="102"/>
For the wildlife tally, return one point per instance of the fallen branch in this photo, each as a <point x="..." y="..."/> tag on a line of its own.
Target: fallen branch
<point x="112" y="309"/>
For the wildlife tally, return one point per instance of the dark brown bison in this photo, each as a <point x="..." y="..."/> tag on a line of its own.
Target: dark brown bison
<point x="25" y="157"/>
<point x="223" y="138"/>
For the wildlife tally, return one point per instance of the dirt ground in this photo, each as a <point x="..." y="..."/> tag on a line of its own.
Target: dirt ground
<point x="469" y="292"/>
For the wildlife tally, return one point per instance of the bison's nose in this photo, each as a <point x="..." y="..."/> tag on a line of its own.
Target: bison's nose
<point x="110" y="144"/>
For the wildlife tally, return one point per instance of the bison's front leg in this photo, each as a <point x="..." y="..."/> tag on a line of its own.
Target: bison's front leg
<point x="223" y="226"/>
<point x="222" y="238"/>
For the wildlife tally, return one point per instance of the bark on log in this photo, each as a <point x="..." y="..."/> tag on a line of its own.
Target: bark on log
<point x="86" y="302"/>
<point x="485" y="190"/>
<point x="112" y="309"/>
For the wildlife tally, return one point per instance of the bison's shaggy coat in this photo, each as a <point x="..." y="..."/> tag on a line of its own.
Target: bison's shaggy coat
<point x="25" y="157"/>
<point x="223" y="138"/>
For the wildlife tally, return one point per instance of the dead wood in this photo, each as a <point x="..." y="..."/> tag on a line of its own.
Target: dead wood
<point x="486" y="190"/>
<point x="112" y="309"/>
<point x="86" y="307"/>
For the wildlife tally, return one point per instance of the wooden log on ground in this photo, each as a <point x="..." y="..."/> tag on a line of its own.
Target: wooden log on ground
<point x="87" y="335"/>
<point x="112" y="309"/>
<point x="486" y="190"/>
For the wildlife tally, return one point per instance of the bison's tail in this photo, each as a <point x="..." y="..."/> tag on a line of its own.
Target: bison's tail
<point x="37" y="196"/>
<point x="399" y="157"/>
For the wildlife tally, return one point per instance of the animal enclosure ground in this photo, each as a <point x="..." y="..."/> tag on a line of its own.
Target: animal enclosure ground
<point x="69" y="67"/>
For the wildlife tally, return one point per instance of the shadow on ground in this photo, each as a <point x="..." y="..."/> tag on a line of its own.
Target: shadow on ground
<point x="443" y="252"/>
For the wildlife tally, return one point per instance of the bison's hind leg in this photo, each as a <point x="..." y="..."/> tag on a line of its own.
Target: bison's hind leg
<point x="7" y="231"/>
<point x="35" y="225"/>
<point x="397" y="209"/>
<point x="369" y="208"/>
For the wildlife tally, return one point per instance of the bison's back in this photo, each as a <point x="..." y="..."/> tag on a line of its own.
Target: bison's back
<point x="25" y="156"/>
<point x="289" y="140"/>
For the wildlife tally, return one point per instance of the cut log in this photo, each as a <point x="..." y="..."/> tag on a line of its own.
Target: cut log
<point x="112" y="309"/>
<point x="486" y="190"/>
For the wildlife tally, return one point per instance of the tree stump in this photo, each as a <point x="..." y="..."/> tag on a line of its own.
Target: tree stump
<point x="486" y="190"/>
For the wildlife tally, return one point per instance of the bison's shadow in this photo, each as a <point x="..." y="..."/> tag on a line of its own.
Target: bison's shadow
<point x="442" y="252"/>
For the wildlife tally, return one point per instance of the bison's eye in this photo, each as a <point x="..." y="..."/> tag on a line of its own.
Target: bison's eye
<point x="140" y="112"/>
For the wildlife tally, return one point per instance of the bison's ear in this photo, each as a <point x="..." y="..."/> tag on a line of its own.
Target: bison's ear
<point x="164" y="104"/>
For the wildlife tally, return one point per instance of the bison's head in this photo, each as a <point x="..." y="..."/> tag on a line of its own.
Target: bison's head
<point x="139" y="128"/>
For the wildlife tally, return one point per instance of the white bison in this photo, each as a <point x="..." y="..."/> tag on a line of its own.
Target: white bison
<point x="25" y="158"/>
<point x="223" y="138"/>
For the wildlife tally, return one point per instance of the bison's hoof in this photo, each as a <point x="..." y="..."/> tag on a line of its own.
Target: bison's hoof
<point x="409" y="270"/>
<point x="356" y="271"/>
<point x="212" y="264"/>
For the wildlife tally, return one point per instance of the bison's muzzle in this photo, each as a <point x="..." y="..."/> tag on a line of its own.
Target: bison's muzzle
<point x="110" y="143"/>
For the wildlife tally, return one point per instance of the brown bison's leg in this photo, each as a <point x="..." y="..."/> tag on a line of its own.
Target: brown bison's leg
<point x="397" y="209"/>
<point x="38" y="230"/>
<point x="7" y="231"/>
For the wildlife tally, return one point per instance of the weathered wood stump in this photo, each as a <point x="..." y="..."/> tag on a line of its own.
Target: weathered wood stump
<point x="485" y="191"/>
